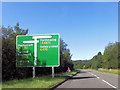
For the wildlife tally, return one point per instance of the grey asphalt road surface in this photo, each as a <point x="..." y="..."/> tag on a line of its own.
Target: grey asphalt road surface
<point x="91" y="79"/>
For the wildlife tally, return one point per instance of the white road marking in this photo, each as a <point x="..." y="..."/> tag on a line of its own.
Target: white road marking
<point x="103" y="80"/>
<point x="90" y="73"/>
<point x="109" y="84"/>
<point x="94" y="75"/>
<point x="98" y="77"/>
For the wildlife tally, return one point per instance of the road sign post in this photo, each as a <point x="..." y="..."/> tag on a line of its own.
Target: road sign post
<point x="38" y="51"/>
<point x="52" y="72"/>
<point x="34" y="72"/>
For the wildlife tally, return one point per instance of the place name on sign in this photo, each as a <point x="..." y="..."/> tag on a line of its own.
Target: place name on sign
<point x="45" y="48"/>
<point x="48" y="46"/>
<point x="47" y="39"/>
<point x="24" y="54"/>
<point x="25" y="45"/>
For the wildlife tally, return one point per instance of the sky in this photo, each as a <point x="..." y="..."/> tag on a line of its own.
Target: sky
<point x="87" y="27"/>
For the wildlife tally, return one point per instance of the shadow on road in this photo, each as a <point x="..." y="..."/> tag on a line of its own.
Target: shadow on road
<point x="82" y="72"/>
<point x="81" y="77"/>
<point x="63" y="76"/>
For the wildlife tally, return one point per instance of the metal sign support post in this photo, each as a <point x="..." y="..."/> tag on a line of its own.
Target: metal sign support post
<point x="52" y="72"/>
<point x="34" y="72"/>
<point x="35" y="55"/>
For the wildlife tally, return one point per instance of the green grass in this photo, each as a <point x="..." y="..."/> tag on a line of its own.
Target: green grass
<point x="37" y="82"/>
<point x="106" y="71"/>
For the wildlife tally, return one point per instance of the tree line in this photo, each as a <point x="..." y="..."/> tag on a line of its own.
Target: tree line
<point x="109" y="59"/>
<point x="9" y="69"/>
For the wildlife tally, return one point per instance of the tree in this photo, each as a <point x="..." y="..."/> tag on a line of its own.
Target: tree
<point x="110" y="58"/>
<point x="78" y="64"/>
<point x="9" y="70"/>
<point x="96" y="62"/>
<point x="65" y="56"/>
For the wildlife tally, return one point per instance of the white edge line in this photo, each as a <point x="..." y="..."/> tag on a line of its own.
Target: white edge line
<point x="109" y="84"/>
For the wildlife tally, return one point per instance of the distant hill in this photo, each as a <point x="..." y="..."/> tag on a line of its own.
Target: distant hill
<point x="82" y="61"/>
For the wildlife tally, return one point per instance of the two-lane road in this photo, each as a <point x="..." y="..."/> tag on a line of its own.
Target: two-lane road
<point x="91" y="79"/>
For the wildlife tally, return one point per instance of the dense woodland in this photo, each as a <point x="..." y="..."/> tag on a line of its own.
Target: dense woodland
<point x="9" y="69"/>
<point x="109" y="59"/>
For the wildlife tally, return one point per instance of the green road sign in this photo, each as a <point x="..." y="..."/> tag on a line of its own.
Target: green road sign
<point x="37" y="50"/>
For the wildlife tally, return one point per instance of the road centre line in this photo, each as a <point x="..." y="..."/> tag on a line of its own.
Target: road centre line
<point x="90" y="73"/>
<point x="109" y="84"/>
<point x="98" y="77"/>
<point x="103" y="80"/>
<point x="94" y="75"/>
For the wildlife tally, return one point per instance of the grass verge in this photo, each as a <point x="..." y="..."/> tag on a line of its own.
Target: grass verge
<point x="37" y="82"/>
<point x="117" y="72"/>
<point x="108" y="71"/>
